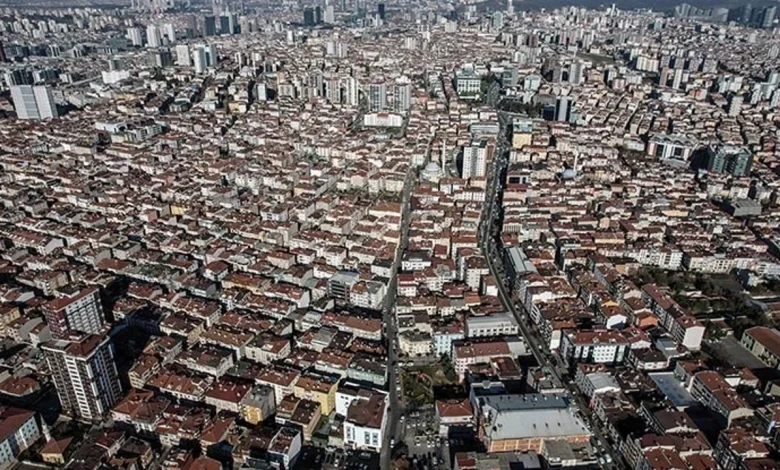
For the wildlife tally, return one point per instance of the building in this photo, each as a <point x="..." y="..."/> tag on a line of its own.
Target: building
<point x="743" y="207"/>
<point x="496" y="324"/>
<point x="318" y="388"/>
<point x="453" y="415"/>
<point x="340" y="285"/>
<point x="563" y="108"/>
<point x="732" y="159"/>
<point x="467" y="83"/>
<point x="602" y="346"/>
<point x="153" y="36"/>
<point x="365" y="421"/>
<point x="522" y="132"/>
<point x="475" y="159"/>
<point x="136" y="36"/>
<point x="34" y="102"/>
<point x="402" y="95"/>
<point x="671" y="147"/>
<point x="510" y="423"/>
<point x="85" y="375"/>
<point x="75" y="311"/>
<point x="183" y="55"/>
<point x="199" y="60"/>
<point x="764" y="343"/>
<point x="377" y="96"/>
<point x="466" y="353"/>
<point x="19" y="429"/>
<point x="258" y="404"/>
<point x="714" y="392"/>
<point x="285" y="447"/>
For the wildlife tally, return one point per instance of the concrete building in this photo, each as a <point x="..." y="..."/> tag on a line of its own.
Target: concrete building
<point x="671" y="147"/>
<point x="475" y="159"/>
<point x="402" y="95"/>
<point x="19" y="429"/>
<point x="75" y="311"/>
<point x="509" y="423"/>
<point x="712" y="390"/>
<point x="364" y="423"/>
<point x="377" y="96"/>
<point x="764" y="343"/>
<point x="34" y="102"/>
<point x="85" y="374"/>
<point x="732" y="159"/>
<point x="603" y="347"/>
<point x="497" y="324"/>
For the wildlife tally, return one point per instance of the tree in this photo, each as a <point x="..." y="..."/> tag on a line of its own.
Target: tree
<point x="714" y="332"/>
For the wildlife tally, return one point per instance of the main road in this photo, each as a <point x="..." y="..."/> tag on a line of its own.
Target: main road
<point x="489" y="234"/>
<point x="391" y="329"/>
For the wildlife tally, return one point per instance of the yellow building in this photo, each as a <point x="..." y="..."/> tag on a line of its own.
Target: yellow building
<point x="8" y="313"/>
<point x="319" y="388"/>
<point x="258" y="405"/>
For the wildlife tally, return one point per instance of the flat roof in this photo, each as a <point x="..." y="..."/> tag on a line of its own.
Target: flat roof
<point x="673" y="389"/>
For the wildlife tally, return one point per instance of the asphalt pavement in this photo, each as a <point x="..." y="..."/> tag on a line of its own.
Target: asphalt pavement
<point x="488" y="234"/>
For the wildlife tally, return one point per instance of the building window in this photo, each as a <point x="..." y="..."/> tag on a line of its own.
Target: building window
<point x="367" y="437"/>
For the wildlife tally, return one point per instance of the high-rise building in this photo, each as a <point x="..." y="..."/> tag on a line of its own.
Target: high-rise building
<point x="160" y="58"/>
<point x="85" y="375"/>
<point x="225" y="25"/>
<point x="735" y="104"/>
<point x="183" y="58"/>
<point x="170" y="32"/>
<point x="76" y="310"/>
<point x="351" y="91"/>
<point x="153" y="36"/>
<point x="475" y="158"/>
<point x="563" y="109"/>
<point x="732" y="159"/>
<point x="768" y="17"/>
<point x="402" y="95"/>
<point x="308" y="16"/>
<point x="377" y="96"/>
<point x="18" y="77"/>
<point x="199" y="60"/>
<point x="317" y="14"/>
<point x="677" y="78"/>
<point x="211" y="55"/>
<point x="136" y="36"/>
<point x="745" y="14"/>
<point x="3" y="58"/>
<point x="330" y="15"/>
<point x="209" y="26"/>
<point x="380" y="11"/>
<point x="34" y="102"/>
<point x="575" y="73"/>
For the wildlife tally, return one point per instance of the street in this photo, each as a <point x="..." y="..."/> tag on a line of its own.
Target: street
<point x="489" y="231"/>
<point x="391" y="331"/>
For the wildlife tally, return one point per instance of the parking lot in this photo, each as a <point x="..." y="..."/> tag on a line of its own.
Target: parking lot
<point x="313" y="457"/>
<point x="426" y="448"/>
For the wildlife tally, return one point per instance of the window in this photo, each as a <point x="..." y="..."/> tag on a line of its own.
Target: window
<point x="367" y="437"/>
<point x="375" y="440"/>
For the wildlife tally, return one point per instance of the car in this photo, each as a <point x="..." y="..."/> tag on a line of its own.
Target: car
<point x="602" y="461"/>
<point x="608" y="458"/>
